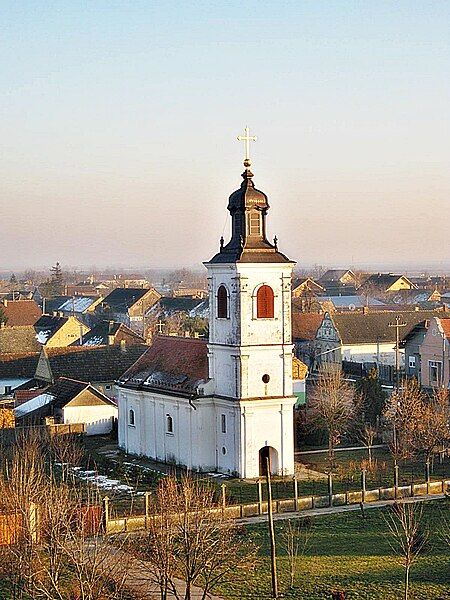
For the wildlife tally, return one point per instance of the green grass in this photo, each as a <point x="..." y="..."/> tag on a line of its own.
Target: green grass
<point x="352" y="554"/>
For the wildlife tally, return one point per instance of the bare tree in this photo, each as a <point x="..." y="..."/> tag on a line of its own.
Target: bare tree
<point x="332" y="406"/>
<point x="407" y="537"/>
<point x="191" y="536"/>
<point x="367" y="436"/>
<point x="433" y="425"/>
<point x="60" y="552"/>
<point x="402" y="413"/>
<point x="296" y="537"/>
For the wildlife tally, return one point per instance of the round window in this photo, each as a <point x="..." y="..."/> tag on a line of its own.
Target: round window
<point x="266" y="378"/>
<point x="224" y="450"/>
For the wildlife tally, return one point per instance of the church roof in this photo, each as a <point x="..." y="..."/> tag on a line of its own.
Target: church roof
<point x="171" y="364"/>
<point x="245" y="246"/>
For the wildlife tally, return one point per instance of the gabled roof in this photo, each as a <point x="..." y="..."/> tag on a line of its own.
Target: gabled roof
<point x="306" y="282"/>
<point x="79" y="304"/>
<point x="20" y="339"/>
<point x="386" y="280"/>
<point x="47" y="326"/>
<point x="374" y="327"/>
<point x="121" y="299"/>
<point x="169" y="306"/>
<point x="17" y="366"/>
<point x="445" y="324"/>
<point x="58" y="396"/>
<point x="20" y="312"/>
<point x="101" y="334"/>
<point x="95" y="364"/>
<point x="305" y="325"/>
<point x="335" y="275"/>
<point x="171" y="364"/>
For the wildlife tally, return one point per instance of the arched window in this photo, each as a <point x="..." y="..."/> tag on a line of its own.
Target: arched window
<point x="222" y="302"/>
<point x="131" y="418"/>
<point x="264" y="302"/>
<point x="169" y="424"/>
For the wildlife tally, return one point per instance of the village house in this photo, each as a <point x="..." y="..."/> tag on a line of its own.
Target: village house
<point x="366" y="336"/>
<point x="81" y="307"/>
<point x="69" y="401"/>
<point x="129" y="306"/>
<point x="388" y="282"/>
<point x="110" y="333"/>
<point x="435" y="354"/>
<point x="338" y="277"/>
<point x="411" y="344"/>
<point x="56" y="331"/>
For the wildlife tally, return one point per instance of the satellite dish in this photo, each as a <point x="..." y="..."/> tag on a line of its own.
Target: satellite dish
<point x="351" y="307"/>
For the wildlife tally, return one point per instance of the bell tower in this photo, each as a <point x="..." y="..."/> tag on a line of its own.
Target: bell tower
<point x="250" y="341"/>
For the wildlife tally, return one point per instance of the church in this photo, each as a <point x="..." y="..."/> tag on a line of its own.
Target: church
<point x="226" y="404"/>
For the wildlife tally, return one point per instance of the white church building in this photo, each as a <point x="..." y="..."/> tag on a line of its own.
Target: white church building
<point x="225" y="404"/>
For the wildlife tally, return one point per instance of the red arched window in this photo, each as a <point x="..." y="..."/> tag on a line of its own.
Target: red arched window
<point x="222" y="302"/>
<point x="264" y="302"/>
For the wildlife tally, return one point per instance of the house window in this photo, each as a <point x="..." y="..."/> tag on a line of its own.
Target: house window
<point x="222" y="302"/>
<point x="224" y="423"/>
<point x="169" y="424"/>
<point x="412" y="362"/>
<point x="254" y="223"/>
<point x="264" y="302"/>
<point x="131" y="417"/>
<point x="434" y="370"/>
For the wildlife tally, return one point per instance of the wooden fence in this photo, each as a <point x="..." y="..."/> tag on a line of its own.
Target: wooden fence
<point x="9" y="436"/>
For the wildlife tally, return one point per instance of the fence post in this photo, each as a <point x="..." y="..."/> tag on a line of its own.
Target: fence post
<point x="395" y="480"/>
<point x="427" y="474"/>
<point x="147" y="507"/>
<point x="224" y="495"/>
<point x="330" y="489"/>
<point x="105" y="514"/>
<point x="259" y="484"/>
<point x="363" y="485"/>
<point x="296" y="492"/>
<point x="34" y="522"/>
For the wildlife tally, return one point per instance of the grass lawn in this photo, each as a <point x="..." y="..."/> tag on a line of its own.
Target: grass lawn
<point x="352" y="554"/>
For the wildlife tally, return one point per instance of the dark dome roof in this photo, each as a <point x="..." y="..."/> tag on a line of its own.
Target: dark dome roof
<point x="247" y="195"/>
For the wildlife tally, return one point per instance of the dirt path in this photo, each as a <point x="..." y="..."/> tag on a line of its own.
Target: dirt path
<point x="136" y="575"/>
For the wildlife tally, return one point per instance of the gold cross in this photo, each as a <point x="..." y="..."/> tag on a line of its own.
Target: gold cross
<point x="247" y="138"/>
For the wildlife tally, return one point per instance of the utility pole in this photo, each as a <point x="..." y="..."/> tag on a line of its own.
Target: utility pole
<point x="273" y="552"/>
<point x="397" y="324"/>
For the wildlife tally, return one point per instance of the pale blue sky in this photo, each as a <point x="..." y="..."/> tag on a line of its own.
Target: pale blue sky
<point x="118" y="129"/>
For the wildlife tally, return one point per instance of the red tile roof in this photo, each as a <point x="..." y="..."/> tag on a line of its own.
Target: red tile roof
<point x="446" y="327"/>
<point x="20" y="312"/>
<point x="171" y="363"/>
<point x="305" y="325"/>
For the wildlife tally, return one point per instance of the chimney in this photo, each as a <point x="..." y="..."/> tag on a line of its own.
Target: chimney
<point x="123" y="346"/>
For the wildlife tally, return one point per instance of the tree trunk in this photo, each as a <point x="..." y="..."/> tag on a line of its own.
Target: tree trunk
<point x="407" y="583"/>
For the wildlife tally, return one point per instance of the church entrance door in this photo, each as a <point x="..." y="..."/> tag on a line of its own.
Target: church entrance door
<point x="267" y="452"/>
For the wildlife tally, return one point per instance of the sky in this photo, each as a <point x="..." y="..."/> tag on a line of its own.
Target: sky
<point x="118" y="125"/>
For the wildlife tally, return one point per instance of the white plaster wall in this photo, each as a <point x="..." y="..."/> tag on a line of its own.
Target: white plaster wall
<point x="267" y="423"/>
<point x="98" y="419"/>
<point x="370" y="352"/>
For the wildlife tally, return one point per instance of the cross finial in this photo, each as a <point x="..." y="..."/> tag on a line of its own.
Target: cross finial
<point x="247" y="138"/>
